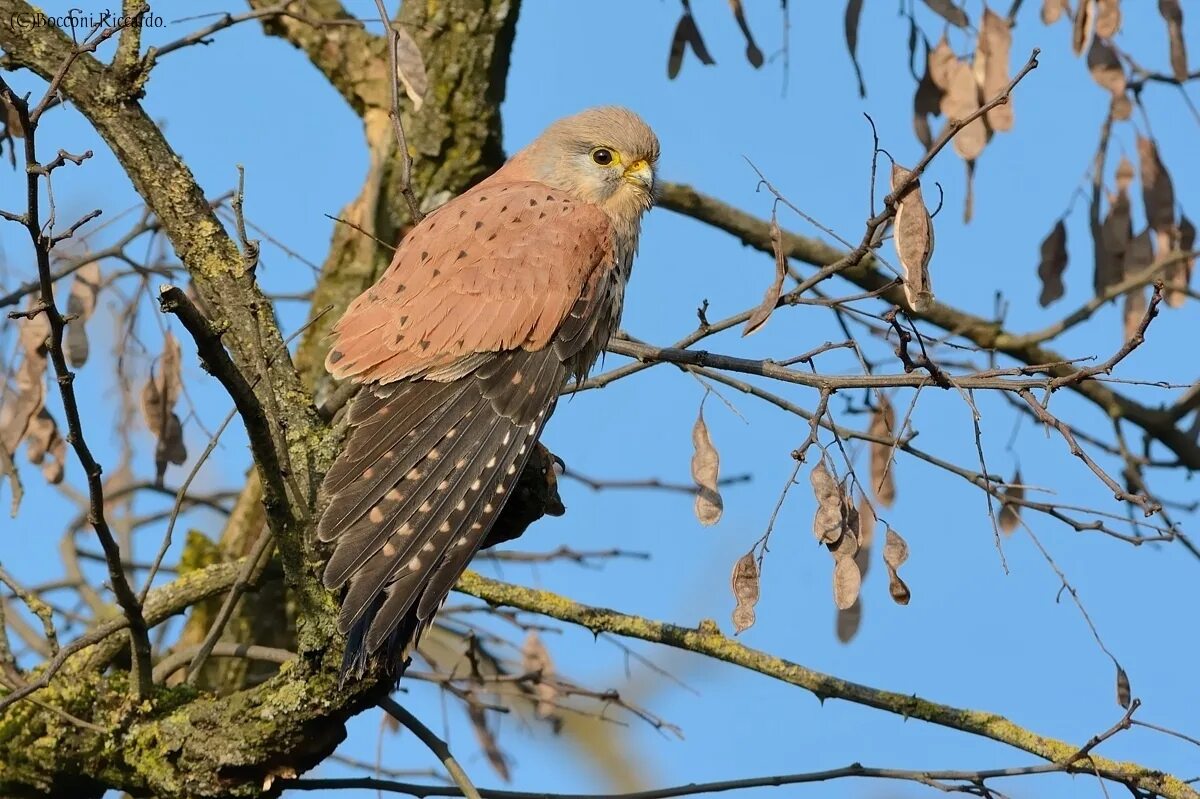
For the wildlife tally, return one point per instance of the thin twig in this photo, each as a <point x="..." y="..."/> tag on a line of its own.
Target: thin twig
<point x="406" y="189"/>
<point x="255" y="562"/>
<point x="435" y="745"/>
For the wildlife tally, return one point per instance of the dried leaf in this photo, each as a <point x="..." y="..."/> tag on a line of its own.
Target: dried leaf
<point x="899" y="590"/>
<point x="686" y="35"/>
<point x="1134" y="310"/>
<point x="1124" y="694"/>
<point x="895" y="552"/>
<point x="846" y="546"/>
<point x="487" y="740"/>
<point x="1172" y="12"/>
<point x="926" y="101"/>
<point x="18" y="411"/>
<point x="1121" y="108"/>
<point x="969" y="200"/>
<point x="1117" y="230"/>
<point x="895" y="549"/>
<point x="410" y="67"/>
<point x="1010" y="510"/>
<point x="753" y="54"/>
<point x="1178" y="275"/>
<point x="34" y="332"/>
<point x="706" y="464"/>
<point x="847" y="581"/>
<point x="9" y="469"/>
<point x="1115" y="234"/>
<point x="45" y="447"/>
<point x="827" y="522"/>
<point x="81" y="303"/>
<point x="1108" y="18"/>
<point x="1139" y="254"/>
<point x="992" y="59"/>
<point x="913" y="237"/>
<point x="535" y="659"/>
<point x="853" y="12"/>
<point x="1053" y="10"/>
<point x="1138" y="257"/>
<point x="745" y="584"/>
<point x="763" y="312"/>
<point x="158" y="403"/>
<point x="1052" y="264"/>
<point x="1158" y="193"/>
<point x="942" y="63"/>
<point x="848" y="621"/>
<point x="1084" y="25"/>
<point x="866" y="537"/>
<point x="12" y="120"/>
<point x="1124" y="174"/>
<point x="949" y="12"/>
<point x="1105" y="68"/>
<point x="171" y="370"/>
<point x="883" y="424"/>
<point x="960" y="101"/>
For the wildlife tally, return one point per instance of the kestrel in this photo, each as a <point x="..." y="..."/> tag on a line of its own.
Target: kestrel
<point x="462" y="347"/>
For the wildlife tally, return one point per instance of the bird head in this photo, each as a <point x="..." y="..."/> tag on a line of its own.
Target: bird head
<point x="605" y="156"/>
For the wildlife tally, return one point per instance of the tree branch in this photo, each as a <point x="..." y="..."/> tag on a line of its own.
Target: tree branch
<point x="108" y="97"/>
<point x="984" y="333"/>
<point x="708" y="640"/>
<point x="43" y="242"/>
<point x="434" y="744"/>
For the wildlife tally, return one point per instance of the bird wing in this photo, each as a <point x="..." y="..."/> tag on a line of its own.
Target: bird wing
<point x="463" y="356"/>
<point x="496" y="269"/>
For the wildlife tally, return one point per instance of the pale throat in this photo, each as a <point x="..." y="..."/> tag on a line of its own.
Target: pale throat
<point x="624" y="209"/>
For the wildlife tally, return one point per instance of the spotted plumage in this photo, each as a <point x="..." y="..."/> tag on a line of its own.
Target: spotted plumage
<point x="463" y="345"/>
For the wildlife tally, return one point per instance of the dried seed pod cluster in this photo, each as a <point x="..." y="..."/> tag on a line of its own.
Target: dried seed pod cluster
<point x="1119" y="253"/>
<point x="23" y="415"/>
<point x="836" y="525"/>
<point x="957" y="88"/>
<point x="1160" y="249"/>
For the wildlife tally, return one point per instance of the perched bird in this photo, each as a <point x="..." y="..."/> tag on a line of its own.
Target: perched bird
<point x="462" y="347"/>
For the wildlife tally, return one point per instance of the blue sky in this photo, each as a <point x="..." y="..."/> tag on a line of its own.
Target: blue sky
<point x="973" y="636"/>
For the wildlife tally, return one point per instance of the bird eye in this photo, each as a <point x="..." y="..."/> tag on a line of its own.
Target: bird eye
<point x="603" y="156"/>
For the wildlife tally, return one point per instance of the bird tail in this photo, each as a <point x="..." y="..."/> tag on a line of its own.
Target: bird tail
<point x="425" y="473"/>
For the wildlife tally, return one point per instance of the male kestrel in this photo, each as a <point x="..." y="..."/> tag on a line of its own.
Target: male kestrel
<point x="462" y="347"/>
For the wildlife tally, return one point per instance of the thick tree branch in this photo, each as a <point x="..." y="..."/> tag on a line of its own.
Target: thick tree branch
<point x="707" y="639"/>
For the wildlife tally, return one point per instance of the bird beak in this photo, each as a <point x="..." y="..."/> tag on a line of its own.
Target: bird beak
<point x="640" y="173"/>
